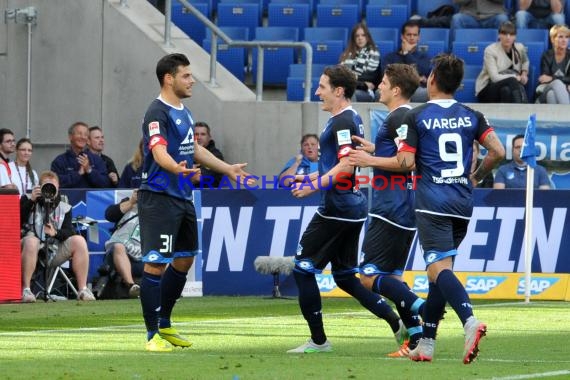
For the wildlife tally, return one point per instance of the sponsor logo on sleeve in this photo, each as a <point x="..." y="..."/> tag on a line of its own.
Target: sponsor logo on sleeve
<point x="402" y="132"/>
<point x="343" y="137"/>
<point x="153" y="128"/>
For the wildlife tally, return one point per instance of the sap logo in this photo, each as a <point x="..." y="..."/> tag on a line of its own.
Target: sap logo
<point x="326" y="282"/>
<point x="421" y="284"/>
<point x="482" y="285"/>
<point x="537" y="286"/>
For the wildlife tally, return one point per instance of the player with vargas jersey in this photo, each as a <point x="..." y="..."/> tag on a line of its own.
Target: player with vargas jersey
<point x="437" y="137"/>
<point x="332" y="235"/>
<point x="167" y="217"/>
<point x="393" y="224"/>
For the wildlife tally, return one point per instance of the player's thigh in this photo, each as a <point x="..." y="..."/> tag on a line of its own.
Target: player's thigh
<point x="459" y="230"/>
<point x="385" y="248"/>
<point x="345" y="248"/>
<point x="186" y="243"/>
<point x="435" y="232"/>
<point x="318" y="240"/>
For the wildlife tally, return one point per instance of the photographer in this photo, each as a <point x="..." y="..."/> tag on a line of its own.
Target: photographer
<point x="47" y="220"/>
<point x="123" y="249"/>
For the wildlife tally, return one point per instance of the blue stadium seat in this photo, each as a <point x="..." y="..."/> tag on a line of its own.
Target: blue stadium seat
<point x="561" y="180"/>
<point x="386" y="16"/>
<point x="296" y="81"/>
<point x="343" y="16"/>
<point x="177" y="7"/>
<point x="235" y="58"/>
<point x="276" y="60"/>
<point x="262" y="3"/>
<point x="385" y="47"/>
<point x="328" y="43"/>
<point x="533" y="35"/>
<point x="296" y="15"/>
<point x="326" y="33"/>
<point x="475" y="35"/>
<point x="472" y="71"/>
<point x="188" y="23"/>
<point x="534" y="51"/>
<point x="385" y="34"/>
<point x="428" y="6"/>
<point x="471" y="52"/>
<point x="312" y="3"/>
<point x="234" y="14"/>
<point x="466" y="92"/>
<point x="431" y="48"/>
<point x="298" y="69"/>
<point x="344" y="2"/>
<point x="435" y="34"/>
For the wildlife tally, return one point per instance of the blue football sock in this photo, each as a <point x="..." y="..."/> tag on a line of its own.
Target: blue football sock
<point x="171" y="287"/>
<point x="150" y="302"/>
<point x="433" y="311"/>
<point x="310" y="304"/>
<point x="455" y="294"/>
<point x="405" y="300"/>
<point x="370" y="300"/>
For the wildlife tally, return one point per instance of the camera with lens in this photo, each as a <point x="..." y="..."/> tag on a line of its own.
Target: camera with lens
<point x="49" y="192"/>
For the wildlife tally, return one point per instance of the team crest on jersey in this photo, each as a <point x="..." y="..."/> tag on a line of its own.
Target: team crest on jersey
<point x="343" y="137"/>
<point x="402" y="132"/>
<point x="153" y="128"/>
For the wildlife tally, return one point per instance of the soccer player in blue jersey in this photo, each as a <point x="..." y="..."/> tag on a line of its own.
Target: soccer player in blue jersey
<point x="437" y="138"/>
<point x="393" y="224"/>
<point x="332" y="235"/>
<point x="166" y="213"/>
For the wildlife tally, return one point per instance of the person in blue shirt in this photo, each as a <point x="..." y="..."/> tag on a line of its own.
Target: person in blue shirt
<point x="78" y="167"/>
<point x="513" y="174"/>
<point x="332" y="235"/>
<point x="437" y="139"/>
<point x="168" y="225"/>
<point x="304" y="163"/>
<point x="131" y="175"/>
<point x="392" y="221"/>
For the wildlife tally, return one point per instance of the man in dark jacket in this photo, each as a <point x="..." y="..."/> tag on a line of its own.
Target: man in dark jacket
<point x="204" y="138"/>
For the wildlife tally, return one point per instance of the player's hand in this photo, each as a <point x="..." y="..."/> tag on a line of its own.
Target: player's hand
<point x="358" y="158"/>
<point x="303" y="189"/>
<point x="197" y="175"/>
<point x="185" y="171"/>
<point x="237" y="174"/>
<point x="474" y="182"/>
<point x="365" y="145"/>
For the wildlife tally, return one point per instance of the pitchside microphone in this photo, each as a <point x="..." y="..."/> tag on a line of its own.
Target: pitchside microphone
<point x="274" y="266"/>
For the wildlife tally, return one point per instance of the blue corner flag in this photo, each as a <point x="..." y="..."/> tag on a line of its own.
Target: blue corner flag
<point x="528" y="152"/>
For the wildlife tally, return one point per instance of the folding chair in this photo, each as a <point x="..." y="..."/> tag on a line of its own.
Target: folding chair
<point x="50" y="275"/>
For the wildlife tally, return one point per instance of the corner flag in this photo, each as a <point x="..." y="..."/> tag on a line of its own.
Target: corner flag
<point x="528" y="152"/>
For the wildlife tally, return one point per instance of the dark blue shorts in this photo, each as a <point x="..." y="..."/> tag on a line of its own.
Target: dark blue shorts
<point x="440" y="233"/>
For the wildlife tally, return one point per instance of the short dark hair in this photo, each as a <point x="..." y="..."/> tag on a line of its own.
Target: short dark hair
<point x="447" y="70"/>
<point x="410" y="24"/>
<point x="95" y="128"/>
<point x="203" y="124"/>
<point x="508" y="27"/>
<point x="3" y="132"/>
<point x="308" y="136"/>
<point x="169" y="65"/>
<point x="516" y="138"/>
<point x="404" y="76"/>
<point x="71" y="129"/>
<point x="341" y="76"/>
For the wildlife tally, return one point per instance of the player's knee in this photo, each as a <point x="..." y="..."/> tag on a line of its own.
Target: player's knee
<point x="367" y="281"/>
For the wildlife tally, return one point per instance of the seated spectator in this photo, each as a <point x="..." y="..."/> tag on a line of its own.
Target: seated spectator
<point x="304" y="163"/>
<point x="78" y="167"/>
<point x="131" y="175"/>
<point x="96" y="145"/>
<point x="479" y="14"/>
<point x="554" y="79"/>
<point x="486" y="182"/>
<point x="54" y="231"/>
<point x="513" y="174"/>
<point x="539" y="13"/>
<point x="505" y="70"/>
<point x="23" y="176"/>
<point x="363" y="58"/>
<point x="123" y="249"/>
<point x="7" y="147"/>
<point x="409" y="54"/>
<point x="203" y="136"/>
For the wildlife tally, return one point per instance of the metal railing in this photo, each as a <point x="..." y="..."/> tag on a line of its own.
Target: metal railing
<point x="260" y="45"/>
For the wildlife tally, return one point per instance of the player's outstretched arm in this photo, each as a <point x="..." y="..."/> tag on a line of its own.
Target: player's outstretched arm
<point x="343" y="168"/>
<point x="235" y="172"/>
<point x="495" y="154"/>
<point x="165" y="161"/>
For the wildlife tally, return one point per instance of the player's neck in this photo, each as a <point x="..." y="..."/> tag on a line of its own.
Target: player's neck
<point x="395" y="103"/>
<point x="340" y="106"/>
<point x="171" y="98"/>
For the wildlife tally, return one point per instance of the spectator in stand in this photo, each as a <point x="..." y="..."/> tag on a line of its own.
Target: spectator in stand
<point x="304" y="163"/>
<point x="96" y="145"/>
<point x="78" y="167"/>
<point x="513" y="174"/>
<point x="362" y="57"/>
<point x="554" y="79"/>
<point x="131" y="175"/>
<point x="410" y="55"/>
<point x="203" y="136"/>
<point x="479" y="14"/>
<point x="123" y="249"/>
<point x="58" y="233"/>
<point x="23" y="176"/>
<point x="7" y="147"/>
<point x="539" y="13"/>
<point x="505" y="70"/>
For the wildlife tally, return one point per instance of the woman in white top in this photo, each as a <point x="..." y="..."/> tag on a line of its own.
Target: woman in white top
<point x="23" y="175"/>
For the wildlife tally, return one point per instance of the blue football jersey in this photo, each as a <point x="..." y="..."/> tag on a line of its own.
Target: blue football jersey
<point x="392" y="196"/>
<point x="173" y="127"/>
<point x="342" y="200"/>
<point x="441" y="133"/>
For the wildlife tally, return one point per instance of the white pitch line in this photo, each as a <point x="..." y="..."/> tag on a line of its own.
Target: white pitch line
<point x="533" y="375"/>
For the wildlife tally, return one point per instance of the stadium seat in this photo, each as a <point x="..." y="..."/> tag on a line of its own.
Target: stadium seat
<point x="472" y="71"/>
<point x="385" y="47"/>
<point x="188" y="23"/>
<point x="385" y="34"/>
<point x="466" y="91"/>
<point x="289" y="14"/>
<point x="234" y="14"/>
<point x="431" y="48"/>
<point x="435" y="34"/>
<point x="561" y="180"/>
<point x="358" y="3"/>
<point x="328" y="44"/>
<point x="326" y="34"/>
<point x="296" y="81"/>
<point x="534" y="51"/>
<point x="276" y="60"/>
<point x="475" y="35"/>
<point x="386" y="16"/>
<point x="343" y="15"/>
<point x="533" y="35"/>
<point x="428" y="6"/>
<point x="471" y="52"/>
<point x="232" y="58"/>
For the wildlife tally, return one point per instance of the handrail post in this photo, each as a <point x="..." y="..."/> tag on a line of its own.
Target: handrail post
<point x="259" y="84"/>
<point x="213" y="59"/>
<point x="167" y="22"/>
<point x="308" y="72"/>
